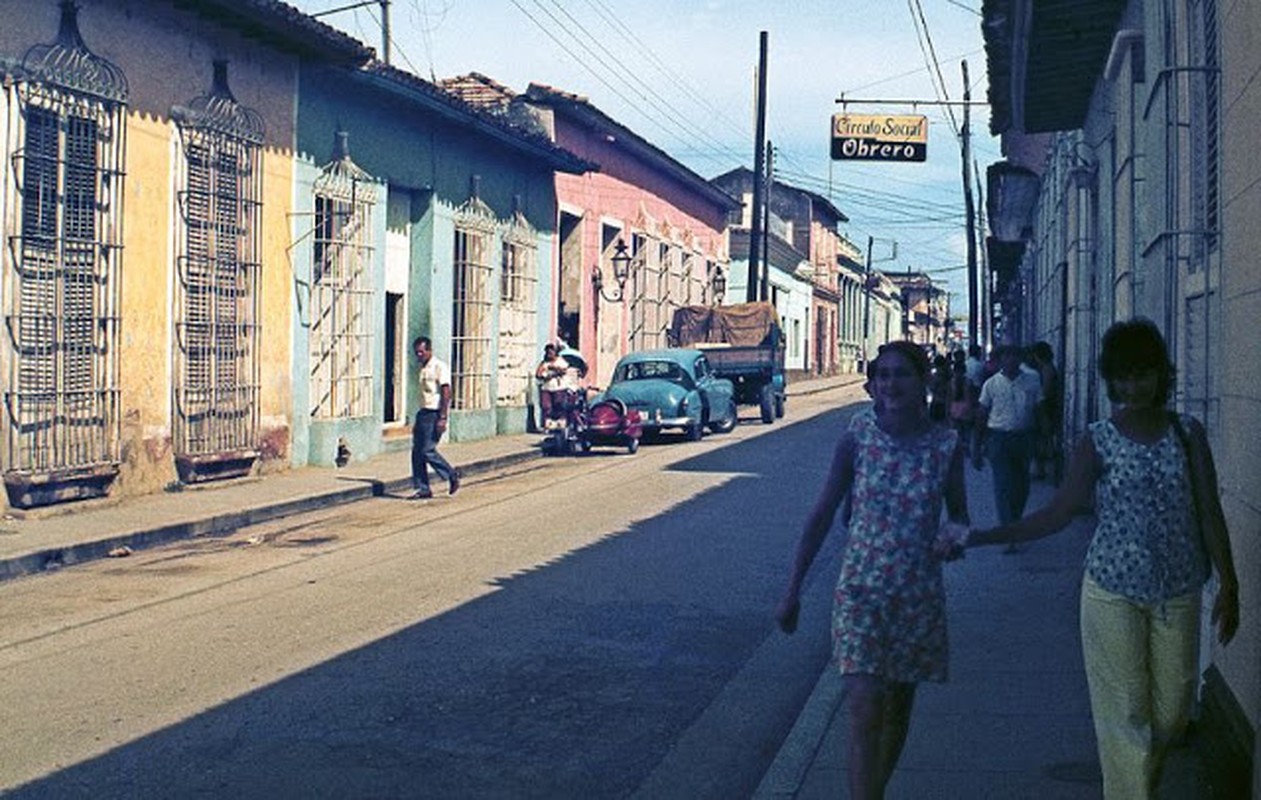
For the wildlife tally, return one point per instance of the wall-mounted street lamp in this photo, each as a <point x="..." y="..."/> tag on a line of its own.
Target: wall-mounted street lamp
<point x="718" y="283"/>
<point x="621" y="271"/>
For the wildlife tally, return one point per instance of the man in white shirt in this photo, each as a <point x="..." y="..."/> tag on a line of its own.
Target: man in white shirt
<point x="431" y="422"/>
<point x="1008" y="404"/>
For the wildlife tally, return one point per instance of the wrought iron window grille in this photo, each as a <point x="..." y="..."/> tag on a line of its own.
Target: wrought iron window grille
<point x="472" y="305"/>
<point x="66" y="114"/>
<point x="217" y="267"/>
<point x="341" y="326"/>
<point x="518" y="313"/>
<point x="519" y="274"/>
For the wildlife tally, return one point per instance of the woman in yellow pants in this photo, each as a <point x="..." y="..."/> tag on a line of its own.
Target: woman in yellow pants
<point x="1152" y="550"/>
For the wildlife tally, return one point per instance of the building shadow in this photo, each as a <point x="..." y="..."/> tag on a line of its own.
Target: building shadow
<point x="573" y="679"/>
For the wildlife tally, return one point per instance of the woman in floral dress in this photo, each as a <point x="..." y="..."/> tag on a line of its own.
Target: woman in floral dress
<point x="889" y="622"/>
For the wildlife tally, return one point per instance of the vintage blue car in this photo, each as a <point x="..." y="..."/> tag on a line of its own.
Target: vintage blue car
<point x="675" y="388"/>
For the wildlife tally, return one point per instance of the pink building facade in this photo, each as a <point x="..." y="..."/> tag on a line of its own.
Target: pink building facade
<point x="670" y="221"/>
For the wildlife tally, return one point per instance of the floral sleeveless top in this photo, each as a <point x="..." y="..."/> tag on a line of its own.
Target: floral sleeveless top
<point x="1146" y="546"/>
<point x="897" y="500"/>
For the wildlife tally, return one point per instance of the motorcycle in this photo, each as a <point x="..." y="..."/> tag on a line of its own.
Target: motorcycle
<point x="564" y="425"/>
<point x="575" y="426"/>
<point x="610" y="422"/>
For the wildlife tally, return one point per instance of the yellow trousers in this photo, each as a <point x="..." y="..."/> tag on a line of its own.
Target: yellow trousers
<point x="1141" y="666"/>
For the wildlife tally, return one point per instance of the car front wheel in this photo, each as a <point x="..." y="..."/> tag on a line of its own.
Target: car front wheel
<point x="728" y="422"/>
<point x="695" y="431"/>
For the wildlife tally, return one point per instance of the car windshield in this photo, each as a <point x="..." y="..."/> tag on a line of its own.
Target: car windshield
<point x="644" y="370"/>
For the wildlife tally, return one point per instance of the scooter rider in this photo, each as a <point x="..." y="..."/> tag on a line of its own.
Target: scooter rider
<point x="554" y="381"/>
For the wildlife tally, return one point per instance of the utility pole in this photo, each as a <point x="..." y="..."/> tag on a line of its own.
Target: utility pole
<point x="385" y="21"/>
<point x="755" y="227"/>
<point x="385" y="30"/>
<point x="974" y="307"/>
<point x="764" y="292"/>
<point x="867" y="303"/>
<point x="867" y="287"/>
<point x="984" y="293"/>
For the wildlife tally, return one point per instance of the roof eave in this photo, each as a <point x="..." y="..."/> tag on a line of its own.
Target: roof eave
<point x="557" y="158"/>
<point x="589" y="115"/>
<point x="1044" y="60"/>
<point x="284" y="26"/>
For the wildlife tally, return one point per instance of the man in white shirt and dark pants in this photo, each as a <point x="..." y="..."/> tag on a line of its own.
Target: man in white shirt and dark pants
<point x="1008" y="406"/>
<point x="431" y="422"/>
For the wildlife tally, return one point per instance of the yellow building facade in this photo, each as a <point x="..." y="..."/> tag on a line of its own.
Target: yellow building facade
<point x="147" y="195"/>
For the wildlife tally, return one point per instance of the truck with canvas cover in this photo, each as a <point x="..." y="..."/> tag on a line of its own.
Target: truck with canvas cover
<point x="744" y="344"/>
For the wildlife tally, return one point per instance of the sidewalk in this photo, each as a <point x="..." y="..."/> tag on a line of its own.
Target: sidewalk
<point x="72" y="533"/>
<point x="1013" y="721"/>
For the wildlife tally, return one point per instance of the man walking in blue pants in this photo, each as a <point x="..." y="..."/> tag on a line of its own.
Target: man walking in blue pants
<point x="431" y="422"/>
<point x="1008" y="404"/>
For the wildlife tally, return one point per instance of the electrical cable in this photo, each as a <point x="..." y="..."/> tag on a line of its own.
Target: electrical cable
<point x="970" y="9"/>
<point x="924" y="37"/>
<point x="393" y="42"/>
<point x="901" y="201"/>
<point x="883" y="208"/>
<point x="679" y="80"/>
<point x="909" y="73"/>
<point x="581" y="62"/>
<point x="625" y="74"/>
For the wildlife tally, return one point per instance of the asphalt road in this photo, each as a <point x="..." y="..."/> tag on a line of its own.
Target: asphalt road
<point x="582" y="627"/>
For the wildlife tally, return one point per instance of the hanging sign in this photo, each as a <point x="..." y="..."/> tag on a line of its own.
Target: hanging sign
<point x="879" y="137"/>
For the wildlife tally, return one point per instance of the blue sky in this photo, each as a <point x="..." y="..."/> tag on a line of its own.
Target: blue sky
<point x="682" y="74"/>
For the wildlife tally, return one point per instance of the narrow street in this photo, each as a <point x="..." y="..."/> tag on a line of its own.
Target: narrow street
<point x="574" y="628"/>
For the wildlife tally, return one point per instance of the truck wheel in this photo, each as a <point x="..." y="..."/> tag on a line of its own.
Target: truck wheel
<point x="766" y="399"/>
<point x="779" y="406"/>
<point x="632" y="447"/>
<point x="695" y="431"/>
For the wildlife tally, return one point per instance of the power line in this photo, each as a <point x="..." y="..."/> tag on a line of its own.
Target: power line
<point x="681" y="81"/>
<point x="581" y="62"/>
<point x="624" y="73"/>
<point x="925" y="39"/>
<point x="970" y="9"/>
<point x="393" y="42"/>
<point x="421" y="7"/>
<point x="900" y="201"/>
<point x="909" y="73"/>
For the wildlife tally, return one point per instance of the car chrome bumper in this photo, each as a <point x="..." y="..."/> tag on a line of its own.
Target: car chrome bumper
<point x="667" y="422"/>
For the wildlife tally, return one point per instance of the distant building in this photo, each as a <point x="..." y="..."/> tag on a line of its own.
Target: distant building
<point x="927" y="308"/>
<point x="804" y="233"/>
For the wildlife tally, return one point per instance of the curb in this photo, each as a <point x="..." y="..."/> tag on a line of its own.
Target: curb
<point x="53" y="558"/>
<point x="221" y="524"/>
<point x="787" y="773"/>
<point x="823" y="386"/>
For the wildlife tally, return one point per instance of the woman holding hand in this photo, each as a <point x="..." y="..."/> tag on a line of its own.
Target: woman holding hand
<point x="1160" y="527"/>
<point x="896" y="466"/>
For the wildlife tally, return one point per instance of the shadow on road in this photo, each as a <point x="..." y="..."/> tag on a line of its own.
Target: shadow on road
<point x="573" y="680"/>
